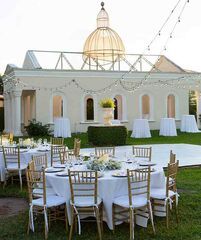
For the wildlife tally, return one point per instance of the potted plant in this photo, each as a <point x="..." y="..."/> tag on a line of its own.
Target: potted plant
<point x="107" y="105"/>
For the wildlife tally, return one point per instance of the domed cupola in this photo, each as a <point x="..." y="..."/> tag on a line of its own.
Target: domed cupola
<point x="104" y="44"/>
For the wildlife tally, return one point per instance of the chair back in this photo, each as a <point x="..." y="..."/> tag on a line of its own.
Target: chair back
<point x="67" y="156"/>
<point x="77" y="144"/>
<point x="57" y="141"/>
<point x="138" y="183"/>
<point x="40" y="161"/>
<point x="36" y="182"/>
<point x="83" y="184"/>
<point x="55" y="153"/>
<point x="143" y="153"/>
<point x="99" y="151"/>
<point x="172" y="157"/>
<point x="171" y="183"/>
<point x="11" y="155"/>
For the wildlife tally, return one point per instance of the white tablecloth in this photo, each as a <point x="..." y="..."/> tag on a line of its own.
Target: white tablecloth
<point x="188" y="124"/>
<point x="168" y="127"/>
<point x="109" y="187"/>
<point x="62" y="127"/>
<point x="25" y="158"/>
<point x="141" y="129"/>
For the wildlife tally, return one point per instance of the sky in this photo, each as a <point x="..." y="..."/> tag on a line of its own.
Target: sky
<point x="64" y="25"/>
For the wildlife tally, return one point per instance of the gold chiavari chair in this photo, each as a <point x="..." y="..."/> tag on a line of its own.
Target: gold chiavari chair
<point x="56" y="141"/>
<point x="40" y="161"/>
<point x="67" y="156"/>
<point x="99" y="151"/>
<point x="13" y="165"/>
<point x="142" y="153"/>
<point x="53" y="207"/>
<point x="76" y="149"/>
<point x="85" y="199"/>
<point x="55" y="153"/>
<point x="136" y="202"/>
<point x="165" y="198"/>
<point x="172" y="157"/>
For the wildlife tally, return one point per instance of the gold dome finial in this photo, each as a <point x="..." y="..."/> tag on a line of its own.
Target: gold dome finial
<point x="102" y="5"/>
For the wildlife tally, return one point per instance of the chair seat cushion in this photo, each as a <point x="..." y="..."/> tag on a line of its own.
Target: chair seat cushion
<point x="14" y="166"/>
<point x="137" y="201"/>
<point x="51" y="201"/>
<point x="39" y="191"/>
<point x="160" y="193"/>
<point x="85" y="201"/>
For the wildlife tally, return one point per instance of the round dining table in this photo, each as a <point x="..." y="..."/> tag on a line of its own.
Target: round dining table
<point x="109" y="187"/>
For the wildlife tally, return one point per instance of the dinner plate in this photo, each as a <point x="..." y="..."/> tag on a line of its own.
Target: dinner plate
<point x="64" y="174"/>
<point x="53" y="170"/>
<point x="43" y="150"/>
<point x="144" y="163"/>
<point x="59" y="165"/>
<point x="24" y="150"/>
<point x="119" y="174"/>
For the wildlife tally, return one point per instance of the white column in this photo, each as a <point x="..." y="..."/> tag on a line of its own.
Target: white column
<point x="10" y="113"/>
<point x="17" y="112"/>
<point x="33" y="106"/>
<point x="6" y="111"/>
<point x="124" y="109"/>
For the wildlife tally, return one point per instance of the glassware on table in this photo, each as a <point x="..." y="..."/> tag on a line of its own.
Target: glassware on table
<point x="20" y="141"/>
<point x="39" y="141"/>
<point x="92" y="155"/>
<point x="45" y="141"/>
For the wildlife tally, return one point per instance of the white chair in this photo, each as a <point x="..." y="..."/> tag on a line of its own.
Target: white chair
<point x="138" y="198"/>
<point x="52" y="207"/>
<point x="167" y="197"/>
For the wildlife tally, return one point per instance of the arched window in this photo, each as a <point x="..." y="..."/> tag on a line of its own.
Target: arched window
<point x="57" y="106"/>
<point x="118" y="107"/>
<point x="146" y="106"/>
<point x="171" y="106"/>
<point x="89" y="109"/>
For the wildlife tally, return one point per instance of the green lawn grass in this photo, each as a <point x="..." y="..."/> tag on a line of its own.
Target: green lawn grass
<point x="189" y="187"/>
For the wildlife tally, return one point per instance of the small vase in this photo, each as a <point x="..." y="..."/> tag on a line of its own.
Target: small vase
<point x="107" y="116"/>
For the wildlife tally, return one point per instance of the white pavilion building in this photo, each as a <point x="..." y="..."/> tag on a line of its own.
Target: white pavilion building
<point x="70" y="84"/>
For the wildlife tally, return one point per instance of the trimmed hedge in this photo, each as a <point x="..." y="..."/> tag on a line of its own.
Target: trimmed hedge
<point x="107" y="135"/>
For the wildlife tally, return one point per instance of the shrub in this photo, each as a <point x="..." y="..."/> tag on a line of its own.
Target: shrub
<point x="107" y="136"/>
<point x="36" y="128"/>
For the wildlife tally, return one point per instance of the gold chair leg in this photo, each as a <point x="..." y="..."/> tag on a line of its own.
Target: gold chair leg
<point x="66" y="218"/>
<point x="72" y="223"/>
<point x="151" y="217"/>
<point x="98" y="223"/>
<point x="131" y="224"/>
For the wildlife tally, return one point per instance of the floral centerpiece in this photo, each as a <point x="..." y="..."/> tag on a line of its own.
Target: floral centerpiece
<point x="107" y="105"/>
<point x="104" y="163"/>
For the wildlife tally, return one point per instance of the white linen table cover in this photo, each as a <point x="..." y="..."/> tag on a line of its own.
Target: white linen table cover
<point x="62" y="127"/>
<point x="141" y="129"/>
<point x="25" y="158"/>
<point x="168" y="127"/>
<point x="109" y="188"/>
<point x="188" y="124"/>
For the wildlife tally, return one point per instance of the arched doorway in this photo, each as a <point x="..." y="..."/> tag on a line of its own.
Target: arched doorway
<point x="171" y="106"/>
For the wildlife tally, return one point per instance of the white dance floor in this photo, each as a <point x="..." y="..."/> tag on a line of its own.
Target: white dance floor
<point x="187" y="154"/>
